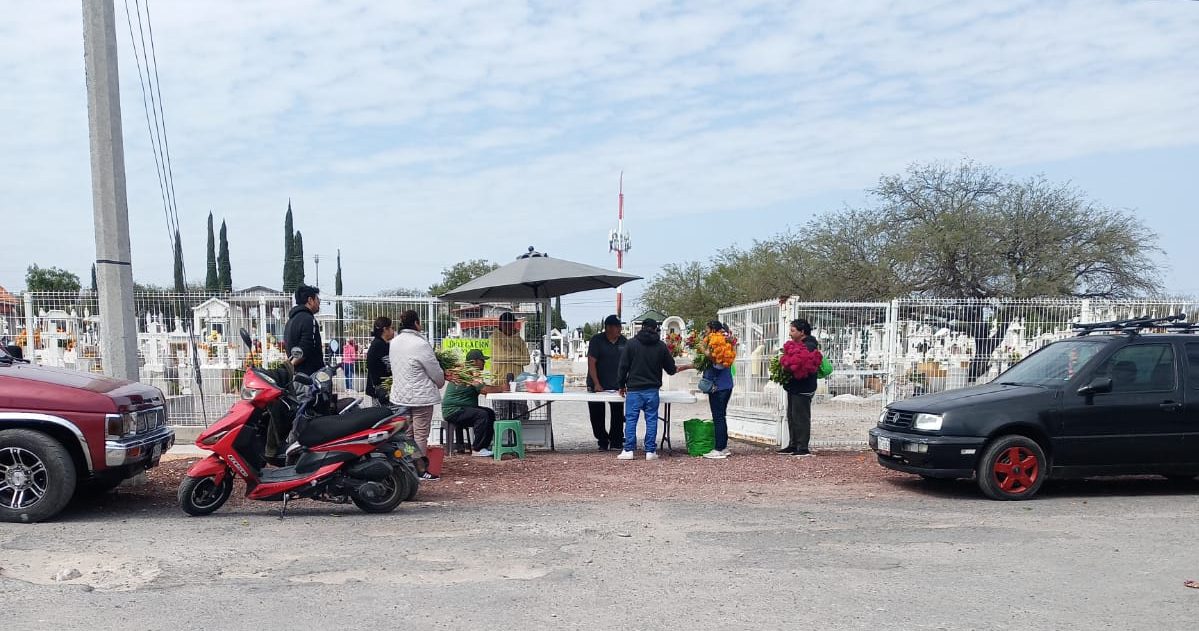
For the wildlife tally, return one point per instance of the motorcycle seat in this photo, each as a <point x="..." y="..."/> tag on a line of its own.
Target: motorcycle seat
<point x="326" y="428"/>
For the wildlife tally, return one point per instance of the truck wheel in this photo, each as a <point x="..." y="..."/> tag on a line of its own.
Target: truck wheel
<point x="1012" y="468"/>
<point x="202" y="496"/>
<point x="37" y="476"/>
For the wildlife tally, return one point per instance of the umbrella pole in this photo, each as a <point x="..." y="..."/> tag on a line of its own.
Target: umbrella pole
<point x="546" y="320"/>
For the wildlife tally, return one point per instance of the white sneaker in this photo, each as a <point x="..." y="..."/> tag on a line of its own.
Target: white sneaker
<point x="649" y="455"/>
<point x="715" y="455"/>
<point x="482" y="453"/>
<point x="625" y="455"/>
<point x="726" y="452"/>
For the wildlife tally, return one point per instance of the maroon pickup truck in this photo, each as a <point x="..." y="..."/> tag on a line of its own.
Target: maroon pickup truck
<point x="62" y="430"/>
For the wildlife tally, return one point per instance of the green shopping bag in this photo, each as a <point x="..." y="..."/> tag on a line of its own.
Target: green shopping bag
<point x="701" y="436"/>
<point x="826" y="369"/>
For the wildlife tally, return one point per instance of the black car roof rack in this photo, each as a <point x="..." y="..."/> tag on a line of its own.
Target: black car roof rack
<point x="1134" y="326"/>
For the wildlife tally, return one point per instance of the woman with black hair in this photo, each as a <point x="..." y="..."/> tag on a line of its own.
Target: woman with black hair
<point x="416" y="381"/>
<point x="718" y="399"/>
<point x="378" y="364"/>
<point x="800" y="390"/>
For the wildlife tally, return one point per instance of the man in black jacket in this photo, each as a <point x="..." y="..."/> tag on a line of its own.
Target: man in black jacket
<point x="302" y="331"/>
<point x="644" y="359"/>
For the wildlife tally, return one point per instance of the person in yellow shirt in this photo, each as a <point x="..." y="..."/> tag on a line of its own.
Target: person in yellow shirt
<point x="509" y="356"/>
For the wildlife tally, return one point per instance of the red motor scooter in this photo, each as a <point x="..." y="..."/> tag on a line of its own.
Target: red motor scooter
<point x="364" y="456"/>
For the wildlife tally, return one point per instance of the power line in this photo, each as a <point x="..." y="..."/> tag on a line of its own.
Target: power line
<point x="153" y="146"/>
<point x="165" y="139"/>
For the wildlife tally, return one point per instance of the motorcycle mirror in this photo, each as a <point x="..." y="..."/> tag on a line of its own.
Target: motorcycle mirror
<point x="334" y="346"/>
<point x="245" y="338"/>
<point x="297" y="352"/>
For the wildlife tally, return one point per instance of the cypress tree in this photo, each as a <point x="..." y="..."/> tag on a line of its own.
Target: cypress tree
<point x="297" y="261"/>
<point x="289" y="244"/>
<point x="180" y="283"/>
<point x="94" y="286"/>
<point x="225" y="273"/>
<point x="337" y="277"/>
<point x="211" y="281"/>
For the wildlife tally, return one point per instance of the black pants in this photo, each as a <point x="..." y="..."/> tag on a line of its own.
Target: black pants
<point x="799" y="420"/>
<point x="481" y="421"/>
<point x="611" y="436"/>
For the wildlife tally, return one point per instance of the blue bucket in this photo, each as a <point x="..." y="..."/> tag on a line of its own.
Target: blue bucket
<point x="557" y="383"/>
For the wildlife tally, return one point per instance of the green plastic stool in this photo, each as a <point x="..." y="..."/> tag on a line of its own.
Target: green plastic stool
<point x="502" y="429"/>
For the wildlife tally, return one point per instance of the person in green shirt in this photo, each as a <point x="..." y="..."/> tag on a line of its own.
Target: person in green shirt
<point x="460" y="407"/>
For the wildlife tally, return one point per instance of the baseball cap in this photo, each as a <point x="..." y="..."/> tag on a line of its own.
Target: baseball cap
<point x="649" y="323"/>
<point x="612" y="321"/>
<point x="474" y="354"/>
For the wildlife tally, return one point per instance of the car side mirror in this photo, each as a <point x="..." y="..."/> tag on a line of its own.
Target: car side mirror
<point x="245" y="338"/>
<point x="1098" y="385"/>
<point x="334" y="346"/>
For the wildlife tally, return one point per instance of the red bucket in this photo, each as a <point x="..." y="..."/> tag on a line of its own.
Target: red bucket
<point x="436" y="454"/>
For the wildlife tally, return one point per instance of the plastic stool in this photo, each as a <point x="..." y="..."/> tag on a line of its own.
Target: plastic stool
<point x="502" y="429"/>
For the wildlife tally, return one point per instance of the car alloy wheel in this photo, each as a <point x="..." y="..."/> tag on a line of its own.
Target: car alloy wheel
<point x="23" y="478"/>
<point x="1012" y="467"/>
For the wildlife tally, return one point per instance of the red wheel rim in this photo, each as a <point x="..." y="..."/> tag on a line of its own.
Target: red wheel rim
<point x="1016" y="470"/>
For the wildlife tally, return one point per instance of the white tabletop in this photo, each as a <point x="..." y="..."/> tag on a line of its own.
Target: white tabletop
<point x="665" y="396"/>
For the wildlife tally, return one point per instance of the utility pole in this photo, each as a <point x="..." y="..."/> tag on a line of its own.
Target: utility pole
<point x="316" y="258"/>
<point x="114" y="270"/>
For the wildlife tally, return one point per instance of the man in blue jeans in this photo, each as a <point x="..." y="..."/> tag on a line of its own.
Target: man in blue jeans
<point x="644" y="360"/>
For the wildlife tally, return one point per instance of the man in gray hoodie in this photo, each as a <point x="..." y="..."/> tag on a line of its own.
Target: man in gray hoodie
<point x="644" y="360"/>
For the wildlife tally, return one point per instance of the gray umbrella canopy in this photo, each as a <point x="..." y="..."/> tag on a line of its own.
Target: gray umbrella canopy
<point x="536" y="276"/>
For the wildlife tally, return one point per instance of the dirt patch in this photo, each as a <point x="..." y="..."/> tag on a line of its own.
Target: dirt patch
<point x="579" y="476"/>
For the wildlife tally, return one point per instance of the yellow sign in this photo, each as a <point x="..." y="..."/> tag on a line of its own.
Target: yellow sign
<point x="463" y="345"/>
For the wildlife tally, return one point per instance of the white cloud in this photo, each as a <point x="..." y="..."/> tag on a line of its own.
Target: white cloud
<point x="460" y="122"/>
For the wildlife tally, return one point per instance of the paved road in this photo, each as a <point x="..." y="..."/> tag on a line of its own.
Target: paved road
<point x="896" y="555"/>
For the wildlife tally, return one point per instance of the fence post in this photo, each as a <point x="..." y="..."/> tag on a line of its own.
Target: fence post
<point x="432" y="323"/>
<point x="262" y="324"/>
<point x="30" y="348"/>
<point x="892" y="351"/>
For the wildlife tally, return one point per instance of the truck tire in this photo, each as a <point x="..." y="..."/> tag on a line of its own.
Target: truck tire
<point x="1013" y="467"/>
<point x="37" y="476"/>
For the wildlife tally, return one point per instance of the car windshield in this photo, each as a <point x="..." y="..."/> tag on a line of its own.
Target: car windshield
<point x="1052" y="365"/>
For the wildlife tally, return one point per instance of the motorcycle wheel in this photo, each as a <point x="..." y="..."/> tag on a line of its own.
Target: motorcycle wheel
<point x="413" y="483"/>
<point x="203" y="496"/>
<point x="395" y="494"/>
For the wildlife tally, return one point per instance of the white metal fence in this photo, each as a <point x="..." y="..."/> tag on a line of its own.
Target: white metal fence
<point x="887" y="351"/>
<point x="189" y="345"/>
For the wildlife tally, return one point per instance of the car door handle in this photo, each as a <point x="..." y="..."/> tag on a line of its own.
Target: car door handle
<point x="1170" y="406"/>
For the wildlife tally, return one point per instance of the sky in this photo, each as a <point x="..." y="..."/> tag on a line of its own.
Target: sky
<point x="414" y="135"/>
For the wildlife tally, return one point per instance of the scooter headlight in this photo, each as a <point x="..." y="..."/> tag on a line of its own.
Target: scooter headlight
<point x="249" y="394"/>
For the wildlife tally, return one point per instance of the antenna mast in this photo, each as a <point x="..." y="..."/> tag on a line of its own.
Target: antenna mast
<point x="618" y="242"/>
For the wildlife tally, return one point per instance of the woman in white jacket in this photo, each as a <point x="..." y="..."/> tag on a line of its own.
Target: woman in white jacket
<point x="416" y="380"/>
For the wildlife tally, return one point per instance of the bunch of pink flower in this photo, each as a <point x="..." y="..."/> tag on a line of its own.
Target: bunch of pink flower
<point x="798" y="360"/>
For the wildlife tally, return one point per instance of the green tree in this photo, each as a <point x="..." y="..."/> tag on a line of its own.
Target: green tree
<point x="212" y="281"/>
<point x="337" y="288"/>
<point x="94" y="284"/>
<point x="289" y="244"/>
<point x="225" y="268"/>
<point x="297" y="253"/>
<point x="180" y="281"/>
<point x="556" y="320"/>
<point x="459" y="274"/>
<point x="51" y="279"/>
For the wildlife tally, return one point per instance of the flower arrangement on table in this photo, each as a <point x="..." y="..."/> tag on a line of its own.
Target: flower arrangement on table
<point x="794" y="361"/>
<point x="721" y="346"/>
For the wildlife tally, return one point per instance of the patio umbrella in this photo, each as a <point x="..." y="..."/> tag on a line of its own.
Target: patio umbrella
<point x="537" y="276"/>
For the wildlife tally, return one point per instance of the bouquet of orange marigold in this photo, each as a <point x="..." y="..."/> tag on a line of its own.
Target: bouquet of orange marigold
<point x="720" y="346"/>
